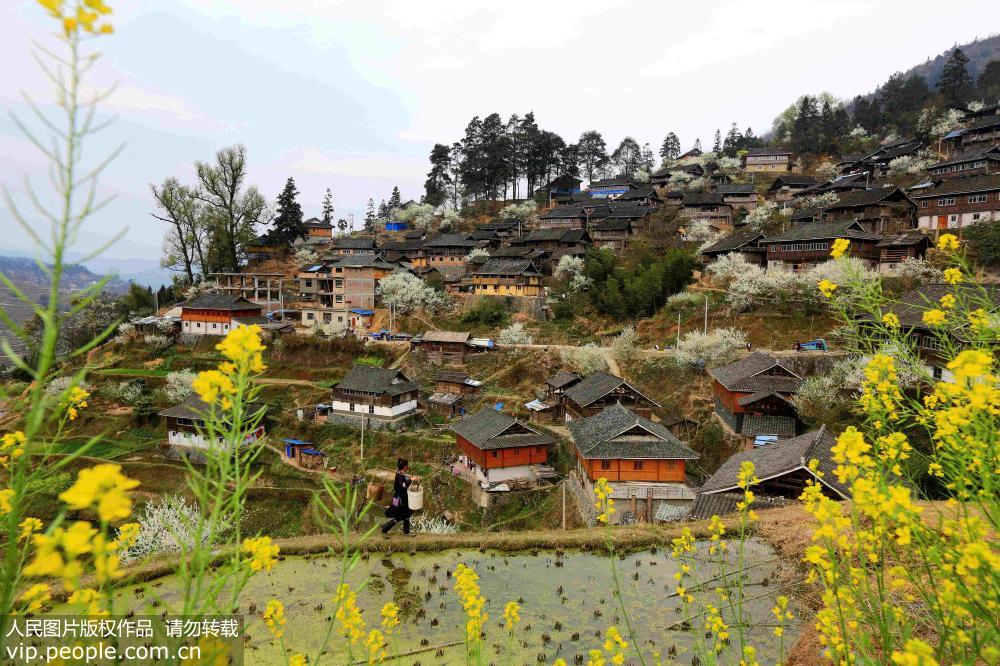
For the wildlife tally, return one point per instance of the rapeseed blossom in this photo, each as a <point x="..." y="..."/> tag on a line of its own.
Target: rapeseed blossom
<point x="604" y="504"/>
<point x="74" y="401"/>
<point x="274" y="618"/>
<point x="953" y="276"/>
<point x="348" y="615"/>
<point x="947" y="243"/>
<point x="890" y="320"/>
<point x="263" y="554"/>
<point x="390" y="617"/>
<point x="35" y="597"/>
<point x="934" y="317"/>
<point x="79" y="16"/>
<point x="511" y="615"/>
<point x="840" y="246"/>
<point x="211" y="385"/>
<point x="827" y="288"/>
<point x="11" y="447"/>
<point x="472" y="601"/>
<point x="104" y="488"/>
<point x="28" y="527"/>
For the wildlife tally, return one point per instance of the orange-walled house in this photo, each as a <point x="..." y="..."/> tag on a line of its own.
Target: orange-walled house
<point x="498" y="448"/>
<point x="215" y="314"/>
<point x="643" y="461"/>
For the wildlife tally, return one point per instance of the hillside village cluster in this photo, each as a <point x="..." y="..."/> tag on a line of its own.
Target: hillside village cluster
<point x="614" y="430"/>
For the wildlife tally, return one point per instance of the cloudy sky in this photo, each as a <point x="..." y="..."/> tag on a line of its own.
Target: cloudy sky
<point x="352" y="95"/>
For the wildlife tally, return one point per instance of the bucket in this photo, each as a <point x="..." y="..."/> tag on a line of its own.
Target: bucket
<point x="375" y="491"/>
<point x="415" y="497"/>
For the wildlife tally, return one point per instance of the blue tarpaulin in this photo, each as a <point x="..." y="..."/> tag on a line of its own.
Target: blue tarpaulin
<point x="362" y="311"/>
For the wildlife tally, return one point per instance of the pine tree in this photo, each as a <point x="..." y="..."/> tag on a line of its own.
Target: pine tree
<point x="328" y="207"/>
<point x="593" y="153"/>
<point x="733" y="141"/>
<point x="342" y="225"/>
<point x="670" y="148"/>
<point x="439" y="177"/>
<point x="717" y="146"/>
<point x="395" y="201"/>
<point x="955" y="83"/>
<point x="288" y="223"/>
<point x="370" y="216"/>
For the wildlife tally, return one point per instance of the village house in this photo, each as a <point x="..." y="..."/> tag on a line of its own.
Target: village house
<point x="643" y="462"/>
<point x="929" y="342"/>
<point x="661" y="177"/>
<point x="787" y="185"/>
<point x="738" y="196"/>
<point x="600" y="389"/>
<point x="264" y="288"/>
<point x="548" y="408"/>
<point x="318" y="231"/>
<point x="507" y="277"/>
<point x="449" y="347"/>
<point x="560" y="187"/>
<point x="981" y="131"/>
<point x="841" y="184"/>
<point x="569" y="216"/>
<point x="784" y="471"/>
<point x="497" y="448"/>
<point x="897" y="248"/>
<point x="880" y="210"/>
<point x="546" y="246"/>
<point x="505" y="229"/>
<point x="187" y="430"/>
<point x="768" y="160"/>
<point x="806" y="246"/>
<point x="746" y="242"/>
<point x="352" y="245"/>
<point x="448" y="250"/>
<point x="302" y="454"/>
<point x="450" y="390"/>
<point x="610" y="187"/>
<point x="755" y="396"/>
<point x="876" y="163"/>
<point x="708" y="206"/>
<point x="645" y="195"/>
<point x="633" y="211"/>
<point x="613" y="234"/>
<point x="216" y="314"/>
<point x="979" y="162"/>
<point x="341" y="292"/>
<point x="375" y="394"/>
<point x="406" y="252"/>
<point x="958" y="202"/>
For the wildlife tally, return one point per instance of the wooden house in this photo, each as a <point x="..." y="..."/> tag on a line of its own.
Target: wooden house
<point x="897" y="248"/>
<point x="186" y="431"/>
<point x="768" y="160"/>
<point x="708" y="206"/>
<point x="958" y="202"/>
<point x="507" y="277"/>
<point x="613" y="234"/>
<point x="979" y="162"/>
<point x="600" y="389"/>
<point x="806" y="246"/>
<point x="981" y="131"/>
<point x="544" y="247"/>
<point x="317" y="230"/>
<point x="660" y="178"/>
<point x="644" y="463"/>
<point x="444" y="347"/>
<point x="557" y="188"/>
<point x="754" y="396"/>
<point x="569" y="216"/>
<point x="738" y="196"/>
<point x="746" y="242"/>
<point x="346" y="246"/>
<point x="302" y="454"/>
<point x="644" y="196"/>
<point x="787" y="185"/>
<point x="783" y="468"/>
<point x="610" y="187"/>
<point x="497" y="448"/>
<point x="876" y="163"/>
<point x="384" y="394"/>
<point x="451" y="387"/>
<point x="448" y="250"/>
<point x="882" y="210"/>
<point x="214" y="314"/>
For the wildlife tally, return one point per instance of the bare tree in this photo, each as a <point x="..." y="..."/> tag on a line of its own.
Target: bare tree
<point x="183" y="248"/>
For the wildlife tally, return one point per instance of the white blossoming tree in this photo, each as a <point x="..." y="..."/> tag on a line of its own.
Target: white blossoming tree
<point x="514" y="335"/>
<point x="718" y="347"/>
<point x="405" y="292"/>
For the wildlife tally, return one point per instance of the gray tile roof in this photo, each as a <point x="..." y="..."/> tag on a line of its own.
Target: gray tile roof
<point x="911" y="306"/>
<point x="618" y="433"/>
<point x="562" y="378"/>
<point x="707" y="505"/>
<point x="489" y="429"/>
<point x="868" y="197"/>
<point x="903" y="239"/>
<point x="194" y="408"/>
<point x="734" y="241"/>
<point x="446" y="336"/>
<point x="508" y="267"/>
<point x="451" y="240"/>
<point x="781" y="458"/>
<point x="767" y="424"/>
<point x="754" y="152"/>
<point x="990" y="153"/>
<point x="595" y="386"/>
<point x="703" y="199"/>
<point x="369" y="379"/>
<point x="756" y="372"/>
<point x="353" y="243"/>
<point x="219" y="302"/>
<point x="363" y="261"/>
<point x="824" y="231"/>
<point x="795" y="179"/>
<point x="961" y="186"/>
<point x="735" y="188"/>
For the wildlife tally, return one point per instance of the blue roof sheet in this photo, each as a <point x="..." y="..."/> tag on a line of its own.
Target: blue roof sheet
<point x="362" y="311"/>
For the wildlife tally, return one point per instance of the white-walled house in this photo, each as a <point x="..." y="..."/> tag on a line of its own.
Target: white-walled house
<point x="216" y="314"/>
<point x="379" y="393"/>
<point x="186" y="424"/>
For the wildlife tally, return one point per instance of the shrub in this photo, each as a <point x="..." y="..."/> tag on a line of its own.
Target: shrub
<point x="486" y="311"/>
<point x="685" y="300"/>
<point x="178" y="385"/>
<point x="984" y="238"/>
<point x="917" y="271"/>
<point x="721" y="346"/>
<point x="157" y="343"/>
<point x="168" y="527"/>
<point x="57" y="386"/>
<point x="435" y="525"/>
<point x="626" y="344"/>
<point x="584" y="360"/>
<point x="406" y="292"/>
<point x="514" y="335"/>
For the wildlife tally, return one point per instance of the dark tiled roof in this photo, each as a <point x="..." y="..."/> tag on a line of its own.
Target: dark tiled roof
<point x="781" y="458"/>
<point x="446" y="336"/>
<point x="824" y="230"/>
<point x="903" y="240"/>
<point x="792" y="179"/>
<point x="746" y="375"/>
<point x="549" y="235"/>
<point x="595" y="386"/>
<point x="707" y="505"/>
<point x="508" y="267"/>
<point x="363" y="261"/>
<point x="911" y="306"/>
<point x="694" y="169"/>
<point x="646" y="192"/>
<point x="315" y="223"/>
<point x="754" y="152"/>
<point x="867" y="197"/>
<point x="456" y="376"/>
<point x="562" y="379"/>
<point x="484" y="234"/>
<point x="489" y="429"/>
<point x="703" y="199"/>
<point x="497" y="225"/>
<point x="734" y="241"/>
<point x="564" y="211"/>
<point x="514" y="252"/>
<point x="354" y="243"/>
<point x="766" y="424"/>
<point x="195" y="408"/>
<point x="962" y="186"/>
<point x="611" y="182"/>
<point x="368" y="379"/>
<point x="229" y="302"/>
<point x="735" y="188"/>
<point x="450" y="240"/>
<point x="631" y="210"/>
<point x="618" y="433"/>
<point x="990" y="153"/>
<point x="984" y="122"/>
<point x="614" y="224"/>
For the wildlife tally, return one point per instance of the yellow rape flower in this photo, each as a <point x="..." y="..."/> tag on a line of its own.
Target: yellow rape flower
<point x="5" y="497"/>
<point x="104" y="488"/>
<point x="211" y="384"/>
<point x="933" y="317"/>
<point x="979" y="319"/>
<point x="263" y="554"/>
<point x="128" y="534"/>
<point x="604" y="504"/>
<point x="890" y="320"/>
<point x="11" y="447"/>
<point x="297" y="660"/>
<point x="953" y="275"/>
<point x="90" y="598"/>
<point x="947" y="243"/>
<point x="947" y="301"/>
<point x="242" y="344"/>
<point x="827" y="288"/>
<point x="274" y="618"/>
<point x="28" y="527"/>
<point x="348" y="615"/>
<point x="35" y="597"/>
<point x="840" y="246"/>
<point x="390" y="617"/>
<point x="915" y="653"/>
<point x="511" y="615"/>
<point x="971" y="364"/>
<point x="74" y="401"/>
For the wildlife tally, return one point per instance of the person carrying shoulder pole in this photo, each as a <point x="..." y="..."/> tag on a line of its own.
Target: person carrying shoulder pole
<point x="398" y="510"/>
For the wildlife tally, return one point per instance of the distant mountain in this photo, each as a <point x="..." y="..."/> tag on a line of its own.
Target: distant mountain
<point x="979" y="52"/>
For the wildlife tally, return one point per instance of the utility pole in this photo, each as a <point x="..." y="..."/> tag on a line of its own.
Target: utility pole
<point x="678" y="344"/>
<point x="362" y="437"/>
<point x="706" y="314"/>
<point x="564" y="504"/>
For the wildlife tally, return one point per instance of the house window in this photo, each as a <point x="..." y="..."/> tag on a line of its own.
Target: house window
<point x="946" y="201"/>
<point x="977" y="198"/>
<point x="937" y="372"/>
<point x="925" y="203"/>
<point x="309" y="283"/>
<point x="605" y="465"/>
<point x="338" y="283"/>
<point x="496" y="453"/>
<point x="310" y="316"/>
<point x="350" y="407"/>
<point x="338" y="298"/>
<point x="215" y="326"/>
<point x="371" y="409"/>
<point x="637" y="465"/>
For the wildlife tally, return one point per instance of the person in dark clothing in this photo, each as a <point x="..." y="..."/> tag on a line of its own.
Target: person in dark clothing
<point x="399" y="508"/>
